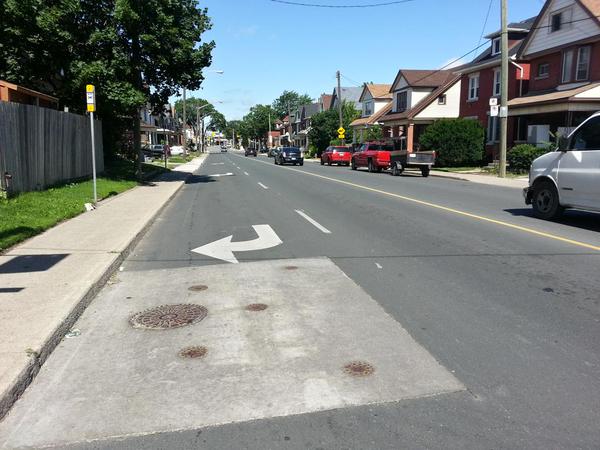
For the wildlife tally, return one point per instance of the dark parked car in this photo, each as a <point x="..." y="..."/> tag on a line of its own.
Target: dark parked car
<point x="250" y="152"/>
<point x="289" y="155"/>
<point x="273" y="151"/>
<point x="156" y="150"/>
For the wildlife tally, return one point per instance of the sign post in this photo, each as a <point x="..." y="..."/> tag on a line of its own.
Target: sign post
<point x="91" y="107"/>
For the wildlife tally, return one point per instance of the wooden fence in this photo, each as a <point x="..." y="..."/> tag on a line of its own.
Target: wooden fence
<point x="40" y="147"/>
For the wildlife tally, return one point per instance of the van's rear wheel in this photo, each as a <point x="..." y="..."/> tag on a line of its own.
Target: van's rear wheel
<point x="545" y="201"/>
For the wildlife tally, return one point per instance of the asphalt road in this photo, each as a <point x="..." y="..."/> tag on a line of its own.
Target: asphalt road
<point x="508" y="304"/>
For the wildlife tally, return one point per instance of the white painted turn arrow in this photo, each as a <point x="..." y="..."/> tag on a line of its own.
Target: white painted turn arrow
<point x="224" y="248"/>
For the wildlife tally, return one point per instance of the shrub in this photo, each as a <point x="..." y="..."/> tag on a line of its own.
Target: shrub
<point x="520" y="157"/>
<point x="457" y="142"/>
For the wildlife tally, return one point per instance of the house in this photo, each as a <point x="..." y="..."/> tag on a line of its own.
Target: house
<point x="10" y="92"/>
<point x="374" y="99"/>
<point x="162" y="127"/>
<point x="348" y="94"/>
<point x="563" y="50"/>
<point x="325" y="102"/>
<point x="420" y="97"/>
<point x="480" y="81"/>
<point x="283" y="126"/>
<point x="305" y="112"/>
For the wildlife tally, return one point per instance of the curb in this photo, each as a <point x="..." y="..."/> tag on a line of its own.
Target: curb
<point x="36" y="360"/>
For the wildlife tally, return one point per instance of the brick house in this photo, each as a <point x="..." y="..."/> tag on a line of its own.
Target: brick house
<point x="419" y="98"/>
<point x="480" y="81"/>
<point x="563" y="49"/>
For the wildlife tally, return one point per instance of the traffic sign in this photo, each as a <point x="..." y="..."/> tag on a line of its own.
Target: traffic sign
<point x="493" y="101"/>
<point x="494" y="109"/>
<point x="90" y="97"/>
<point x="341" y="136"/>
<point x="341" y="130"/>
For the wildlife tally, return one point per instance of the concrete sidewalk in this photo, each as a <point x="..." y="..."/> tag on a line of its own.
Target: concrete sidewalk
<point x="47" y="282"/>
<point x="518" y="183"/>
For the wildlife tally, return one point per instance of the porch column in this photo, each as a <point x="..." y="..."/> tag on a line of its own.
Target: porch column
<point x="410" y="135"/>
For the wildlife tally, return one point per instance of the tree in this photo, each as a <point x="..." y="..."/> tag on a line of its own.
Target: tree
<point x="256" y="122"/>
<point x="324" y="125"/>
<point x="457" y="141"/>
<point x="288" y="102"/>
<point x="136" y="53"/>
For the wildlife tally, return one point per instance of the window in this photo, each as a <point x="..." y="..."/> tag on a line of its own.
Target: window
<point x="567" y="67"/>
<point x="493" y="131"/>
<point x="401" y="101"/>
<point x="588" y="136"/>
<point x="496" y="46"/>
<point x="368" y="109"/>
<point x="556" y="22"/>
<point x="474" y="87"/>
<point x="583" y="63"/>
<point x="497" y="82"/>
<point x="543" y="70"/>
<point x="442" y="99"/>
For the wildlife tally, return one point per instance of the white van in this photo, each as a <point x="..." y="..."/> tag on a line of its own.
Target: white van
<point x="568" y="177"/>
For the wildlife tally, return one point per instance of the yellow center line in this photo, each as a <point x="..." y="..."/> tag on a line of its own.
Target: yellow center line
<point x="451" y="210"/>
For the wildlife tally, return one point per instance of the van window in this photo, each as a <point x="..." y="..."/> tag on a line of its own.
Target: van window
<point x="588" y="136"/>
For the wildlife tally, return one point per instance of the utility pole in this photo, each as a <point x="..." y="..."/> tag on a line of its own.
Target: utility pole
<point x="270" y="138"/>
<point x="339" y="94"/>
<point x="197" y="128"/>
<point x="503" y="93"/>
<point x="184" y="123"/>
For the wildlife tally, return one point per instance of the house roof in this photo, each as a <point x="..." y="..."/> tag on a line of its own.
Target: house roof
<point x="379" y="90"/>
<point x="311" y="109"/>
<point x="515" y="27"/>
<point x="412" y="113"/>
<point x="592" y="7"/>
<point x="26" y="91"/>
<point x="555" y="96"/>
<point x="373" y="118"/>
<point x="349" y="94"/>
<point x="485" y="58"/>
<point x="423" y="78"/>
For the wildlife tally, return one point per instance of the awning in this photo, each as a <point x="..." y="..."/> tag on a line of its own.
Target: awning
<point x="582" y="98"/>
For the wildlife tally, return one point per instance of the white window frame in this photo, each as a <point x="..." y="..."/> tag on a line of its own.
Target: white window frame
<point x="497" y="85"/>
<point x="587" y="63"/>
<point x="567" y="66"/>
<point x="496" y="42"/>
<point x="543" y="75"/>
<point x="493" y="133"/>
<point x="566" y="15"/>
<point x="398" y="94"/>
<point x="368" y="106"/>
<point x="442" y="99"/>
<point x="473" y="92"/>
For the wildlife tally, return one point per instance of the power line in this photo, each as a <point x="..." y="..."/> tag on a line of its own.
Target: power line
<point x="317" y="5"/>
<point x="487" y="16"/>
<point x="356" y="83"/>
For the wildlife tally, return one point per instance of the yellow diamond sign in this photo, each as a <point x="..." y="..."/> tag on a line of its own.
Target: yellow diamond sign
<point x="341" y="130"/>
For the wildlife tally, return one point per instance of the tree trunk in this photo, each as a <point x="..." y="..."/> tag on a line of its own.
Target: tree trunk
<point x="137" y="146"/>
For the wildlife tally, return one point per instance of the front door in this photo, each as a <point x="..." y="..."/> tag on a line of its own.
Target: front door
<point x="579" y="167"/>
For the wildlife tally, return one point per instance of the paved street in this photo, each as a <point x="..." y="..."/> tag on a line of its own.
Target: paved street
<point x="479" y="324"/>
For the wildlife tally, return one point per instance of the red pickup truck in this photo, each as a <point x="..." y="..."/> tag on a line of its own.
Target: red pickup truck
<point x="377" y="156"/>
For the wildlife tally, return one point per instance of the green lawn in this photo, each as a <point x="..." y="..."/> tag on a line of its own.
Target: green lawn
<point x="31" y="213"/>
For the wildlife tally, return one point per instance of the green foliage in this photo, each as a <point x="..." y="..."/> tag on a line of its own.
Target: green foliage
<point x="256" y="122"/>
<point x="521" y="156"/>
<point x="324" y="126"/>
<point x="312" y="151"/>
<point x="458" y="142"/>
<point x="374" y="133"/>
<point x="134" y="52"/>
<point x="287" y="102"/>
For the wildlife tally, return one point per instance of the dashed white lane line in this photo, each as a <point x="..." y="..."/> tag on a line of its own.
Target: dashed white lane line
<point x="379" y="266"/>
<point x="263" y="186"/>
<point x="246" y="173"/>
<point x="217" y="164"/>
<point x="313" y="221"/>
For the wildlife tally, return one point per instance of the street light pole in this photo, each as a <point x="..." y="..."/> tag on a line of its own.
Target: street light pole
<point x="503" y="93"/>
<point x="184" y="122"/>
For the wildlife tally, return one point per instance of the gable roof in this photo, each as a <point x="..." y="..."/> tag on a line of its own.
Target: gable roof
<point x="423" y="78"/>
<point x="349" y="94"/>
<point x="515" y="27"/>
<point x="379" y="91"/>
<point x="592" y="7"/>
<point x="311" y="109"/>
<point x="373" y="118"/>
<point x="326" y="101"/>
<point x="419" y="107"/>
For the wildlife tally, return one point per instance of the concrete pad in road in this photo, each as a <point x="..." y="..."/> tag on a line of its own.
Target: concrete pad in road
<point x="115" y="380"/>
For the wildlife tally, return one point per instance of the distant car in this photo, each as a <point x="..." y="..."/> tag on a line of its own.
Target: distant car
<point x="264" y="150"/>
<point x="289" y="155"/>
<point x="223" y="149"/>
<point x="340" y="155"/>
<point x="250" y="152"/>
<point x="273" y="151"/>
<point x="177" y="150"/>
<point x="157" y="150"/>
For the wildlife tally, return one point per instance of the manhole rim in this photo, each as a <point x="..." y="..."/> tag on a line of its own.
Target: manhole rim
<point x="143" y="319"/>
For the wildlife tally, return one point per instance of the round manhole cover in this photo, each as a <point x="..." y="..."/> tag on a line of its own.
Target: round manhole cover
<point x="168" y="316"/>
<point x="359" y="369"/>
<point x="198" y="288"/>
<point x="256" y="307"/>
<point x="197" y="351"/>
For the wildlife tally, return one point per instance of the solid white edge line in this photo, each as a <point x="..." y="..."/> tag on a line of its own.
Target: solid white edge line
<point x="313" y="221"/>
<point x="263" y="186"/>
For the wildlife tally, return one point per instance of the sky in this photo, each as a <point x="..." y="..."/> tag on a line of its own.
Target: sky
<point x="265" y="47"/>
